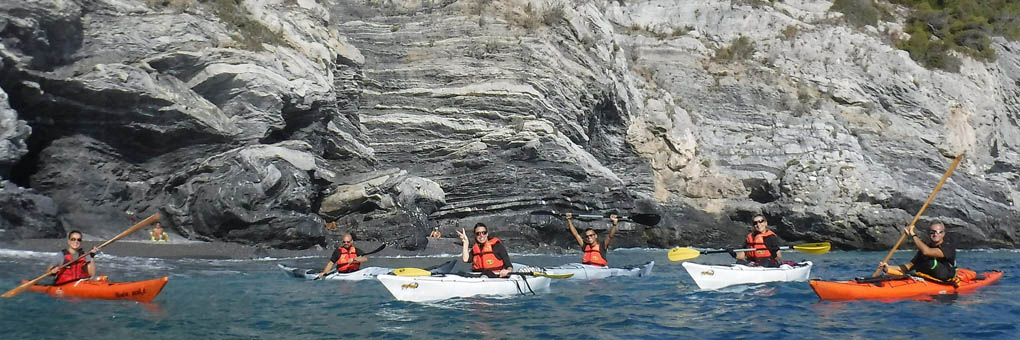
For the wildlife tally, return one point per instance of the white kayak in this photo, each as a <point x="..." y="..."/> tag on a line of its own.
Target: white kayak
<point x="588" y="272"/>
<point x="441" y="287"/>
<point x="361" y="274"/>
<point x="709" y="277"/>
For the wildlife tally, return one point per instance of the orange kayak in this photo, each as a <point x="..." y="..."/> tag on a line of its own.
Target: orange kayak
<point x="141" y="291"/>
<point x="896" y="289"/>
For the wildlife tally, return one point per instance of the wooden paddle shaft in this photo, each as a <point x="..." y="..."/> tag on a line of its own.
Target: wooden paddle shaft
<point x="918" y="216"/>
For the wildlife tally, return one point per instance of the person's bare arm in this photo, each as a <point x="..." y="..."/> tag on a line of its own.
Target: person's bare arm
<point x="616" y="223"/>
<point x="924" y="248"/>
<point x="465" y="253"/>
<point x="573" y="230"/>
<point x="329" y="266"/>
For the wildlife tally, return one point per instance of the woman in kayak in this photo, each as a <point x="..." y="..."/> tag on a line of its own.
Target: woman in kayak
<point x="81" y="269"/>
<point x="345" y="257"/>
<point x="765" y="243"/>
<point x="594" y="253"/>
<point x="488" y="255"/>
<point x="937" y="260"/>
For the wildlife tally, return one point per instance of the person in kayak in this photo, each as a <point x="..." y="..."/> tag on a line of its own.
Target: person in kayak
<point x="81" y="269"/>
<point x="345" y="257"/>
<point x="594" y="253"/>
<point x="765" y="243"/>
<point x="488" y="255"/>
<point x="937" y="260"/>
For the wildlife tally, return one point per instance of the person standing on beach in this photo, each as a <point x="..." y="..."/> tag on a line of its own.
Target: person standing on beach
<point x="435" y="233"/>
<point x="488" y="255"/>
<point x="345" y="257"/>
<point x="82" y="267"/>
<point x="157" y="234"/>
<point x="594" y="253"/>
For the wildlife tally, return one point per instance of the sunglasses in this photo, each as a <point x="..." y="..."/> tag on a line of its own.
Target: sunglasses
<point x="480" y="233"/>
<point x="590" y="235"/>
<point x="936" y="232"/>
<point x="74" y="239"/>
<point x="759" y="221"/>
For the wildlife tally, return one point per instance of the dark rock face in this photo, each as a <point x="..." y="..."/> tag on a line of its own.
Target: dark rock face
<point x="13" y="135"/>
<point x="262" y="126"/>
<point x="24" y="213"/>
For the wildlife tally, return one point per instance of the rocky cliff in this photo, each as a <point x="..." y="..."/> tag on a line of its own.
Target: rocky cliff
<point x="257" y="121"/>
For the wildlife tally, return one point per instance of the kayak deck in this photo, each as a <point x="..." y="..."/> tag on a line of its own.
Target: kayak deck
<point x="589" y="272"/>
<point x="366" y="273"/>
<point x="711" y="277"/>
<point x="442" y="287"/>
<point x="141" y="291"/>
<point x="896" y="289"/>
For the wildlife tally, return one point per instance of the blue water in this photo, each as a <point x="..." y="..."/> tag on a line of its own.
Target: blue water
<point x="253" y="299"/>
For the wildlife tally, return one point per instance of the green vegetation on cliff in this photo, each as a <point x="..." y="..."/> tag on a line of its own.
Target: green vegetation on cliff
<point x="962" y="25"/>
<point x="939" y="26"/>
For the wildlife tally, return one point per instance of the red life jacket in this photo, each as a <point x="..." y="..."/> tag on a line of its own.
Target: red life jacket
<point x="483" y="257"/>
<point x="345" y="255"/>
<point x="593" y="256"/>
<point x="758" y="243"/>
<point x="74" y="272"/>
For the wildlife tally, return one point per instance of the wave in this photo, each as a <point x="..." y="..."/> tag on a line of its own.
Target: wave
<point x="27" y="254"/>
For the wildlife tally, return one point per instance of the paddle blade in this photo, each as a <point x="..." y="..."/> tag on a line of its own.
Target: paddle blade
<point x="682" y="254"/>
<point x="411" y="272"/>
<point x="813" y="248"/>
<point x="551" y="276"/>
<point x="646" y="219"/>
<point x="381" y="247"/>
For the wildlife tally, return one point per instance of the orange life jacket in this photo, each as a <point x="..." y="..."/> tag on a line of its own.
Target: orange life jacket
<point x="593" y="256"/>
<point x="345" y="255"/>
<point x="758" y="243"/>
<point x="483" y="257"/>
<point x="74" y="272"/>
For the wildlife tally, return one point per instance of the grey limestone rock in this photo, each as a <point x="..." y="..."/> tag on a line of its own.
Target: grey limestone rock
<point x="258" y="121"/>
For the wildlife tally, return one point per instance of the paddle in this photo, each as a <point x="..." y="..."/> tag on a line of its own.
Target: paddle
<point x="683" y="254"/>
<point x="551" y="276"/>
<point x="381" y="247"/>
<point x="17" y="290"/>
<point x="645" y="219"/>
<point x="411" y="272"/>
<point x="918" y="216"/>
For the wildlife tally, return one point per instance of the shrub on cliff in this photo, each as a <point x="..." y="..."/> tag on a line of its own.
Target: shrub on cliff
<point x="741" y="48"/>
<point x="938" y="26"/>
<point x="857" y="12"/>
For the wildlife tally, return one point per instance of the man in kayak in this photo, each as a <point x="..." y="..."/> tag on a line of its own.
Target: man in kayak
<point x="345" y="257"/>
<point x="488" y="255"/>
<point x="81" y="269"/>
<point x="937" y="260"/>
<point x="594" y="253"/>
<point x="765" y="244"/>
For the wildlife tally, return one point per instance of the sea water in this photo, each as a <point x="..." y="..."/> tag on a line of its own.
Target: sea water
<point x="243" y="299"/>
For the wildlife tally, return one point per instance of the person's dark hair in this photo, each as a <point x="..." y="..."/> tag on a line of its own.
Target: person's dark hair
<point x="480" y="224"/>
<point x="73" y="232"/>
<point x="592" y="230"/>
